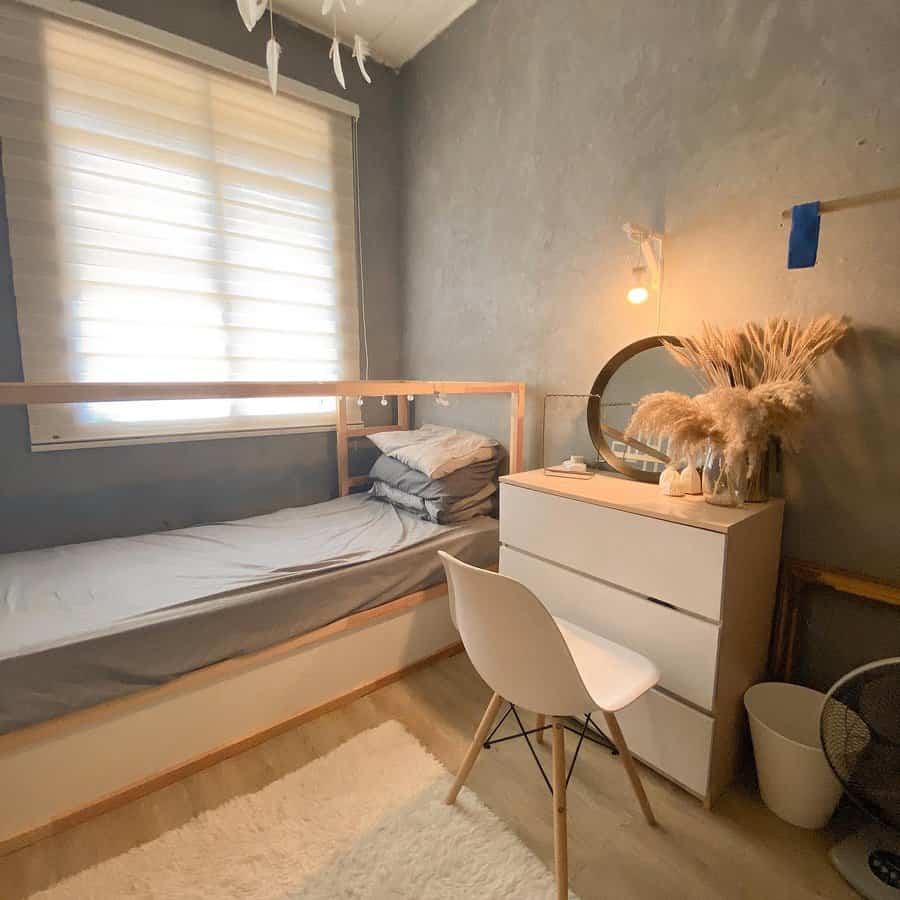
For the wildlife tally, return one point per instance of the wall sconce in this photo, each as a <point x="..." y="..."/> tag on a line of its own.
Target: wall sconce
<point x="646" y="276"/>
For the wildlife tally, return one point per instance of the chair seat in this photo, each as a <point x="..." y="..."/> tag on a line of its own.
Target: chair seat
<point x="613" y="675"/>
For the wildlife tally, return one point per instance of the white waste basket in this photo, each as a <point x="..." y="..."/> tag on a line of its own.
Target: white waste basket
<point x="795" y="780"/>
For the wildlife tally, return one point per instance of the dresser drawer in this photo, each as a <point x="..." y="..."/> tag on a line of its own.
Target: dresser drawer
<point x="682" y="647"/>
<point x="677" y="564"/>
<point x="669" y="736"/>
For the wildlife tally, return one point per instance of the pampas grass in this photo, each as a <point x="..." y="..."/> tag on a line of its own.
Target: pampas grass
<point x="756" y="389"/>
<point x="683" y="420"/>
<point x="781" y="350"/>
<point x="738" y="420"/>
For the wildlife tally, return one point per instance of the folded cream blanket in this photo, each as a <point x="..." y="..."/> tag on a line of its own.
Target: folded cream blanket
<point x="436" y="450"/>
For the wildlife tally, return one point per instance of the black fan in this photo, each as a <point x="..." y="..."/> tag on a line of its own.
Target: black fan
<point x="860" y="728"/>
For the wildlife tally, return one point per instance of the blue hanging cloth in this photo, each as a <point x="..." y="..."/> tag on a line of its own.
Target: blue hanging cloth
<point x="803" y="243"/>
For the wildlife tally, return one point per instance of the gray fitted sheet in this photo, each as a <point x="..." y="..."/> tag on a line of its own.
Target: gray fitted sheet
<point x="84" y="623"/>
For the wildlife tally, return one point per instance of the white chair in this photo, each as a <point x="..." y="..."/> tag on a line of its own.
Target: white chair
<point x="547" y="665"/>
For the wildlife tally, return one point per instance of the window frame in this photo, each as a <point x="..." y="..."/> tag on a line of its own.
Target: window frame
<point x="195" y="52"/>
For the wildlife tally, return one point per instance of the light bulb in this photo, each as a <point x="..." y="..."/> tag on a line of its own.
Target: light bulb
<point x="639" y="291"/>
<point x="359" y="401"/>
<point x="384" y="401"/>
<point x="637" y="295"/>
<point x="410" y="397"/>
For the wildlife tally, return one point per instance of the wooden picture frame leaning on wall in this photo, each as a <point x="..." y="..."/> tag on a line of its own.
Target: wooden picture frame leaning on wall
<point x="796" y="577"/>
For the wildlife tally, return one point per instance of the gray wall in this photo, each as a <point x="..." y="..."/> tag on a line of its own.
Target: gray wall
<point x="533" y="130"/>
<point x="77" y="495"/>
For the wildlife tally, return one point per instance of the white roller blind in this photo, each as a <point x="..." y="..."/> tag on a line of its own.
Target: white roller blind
<point x="169" y="222"/>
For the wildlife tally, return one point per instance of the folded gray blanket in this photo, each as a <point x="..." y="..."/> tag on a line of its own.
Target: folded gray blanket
<point x="480" y="503"/>
<point x="442" y="491"/>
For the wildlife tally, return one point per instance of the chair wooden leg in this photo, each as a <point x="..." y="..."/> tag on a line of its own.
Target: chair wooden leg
<point x="474" y="748"/>
<point x="630" y="767"/>
<point x="560" y="840"/>
<point x="541" y="722"/>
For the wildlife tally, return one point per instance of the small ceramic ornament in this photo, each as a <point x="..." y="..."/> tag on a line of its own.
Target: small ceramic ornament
<point x="574" y="464"/>
<point x="690" y="481"/>
<point x="670" y="482"/>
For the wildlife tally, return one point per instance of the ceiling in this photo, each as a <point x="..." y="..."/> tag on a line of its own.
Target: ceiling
<point x="395" y="29"/>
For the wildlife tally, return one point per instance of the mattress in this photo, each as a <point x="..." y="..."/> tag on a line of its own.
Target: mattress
<point x="84" y="623"/>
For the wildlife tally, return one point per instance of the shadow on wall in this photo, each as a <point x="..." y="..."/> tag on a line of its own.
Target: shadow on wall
<point x="851" y="448"/>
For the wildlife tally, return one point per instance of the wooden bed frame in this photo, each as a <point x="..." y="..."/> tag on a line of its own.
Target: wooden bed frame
<point x="58" y="773"/>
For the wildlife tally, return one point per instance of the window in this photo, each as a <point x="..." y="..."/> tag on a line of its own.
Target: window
<point x="171" y="222"/>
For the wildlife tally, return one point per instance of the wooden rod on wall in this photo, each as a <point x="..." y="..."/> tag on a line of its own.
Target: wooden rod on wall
<point x="827" y="206"/>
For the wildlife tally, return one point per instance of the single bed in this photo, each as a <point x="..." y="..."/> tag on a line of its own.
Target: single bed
<point x="84" y="623"/>
<point x="127" y="664"/>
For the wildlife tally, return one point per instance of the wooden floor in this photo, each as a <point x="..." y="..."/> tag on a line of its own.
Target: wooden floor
<point x="738" y="851"/>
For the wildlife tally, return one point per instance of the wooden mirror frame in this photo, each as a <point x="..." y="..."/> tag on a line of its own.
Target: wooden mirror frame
<point x="593" y="410"/>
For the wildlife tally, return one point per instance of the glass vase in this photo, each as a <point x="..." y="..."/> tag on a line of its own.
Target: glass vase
<point x="723" y="485"/>
<point x="758" y="482"/>
<point x="764" y="482"/>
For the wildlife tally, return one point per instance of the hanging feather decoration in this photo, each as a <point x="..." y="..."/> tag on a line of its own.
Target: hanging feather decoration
<point x="361" y="50"/>
<point x="361" y="53"/>
<point x="251" y="11"/>
<point x="335" y="56"/>
<point x="273" y="53"/>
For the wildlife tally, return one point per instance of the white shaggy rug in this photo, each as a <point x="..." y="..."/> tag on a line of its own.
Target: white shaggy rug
<point x="366" y="821"/>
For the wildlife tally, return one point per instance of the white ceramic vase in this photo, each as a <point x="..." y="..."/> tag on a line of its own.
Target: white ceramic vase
<point x="670" y="482"/>
<point x="690" y="480"/>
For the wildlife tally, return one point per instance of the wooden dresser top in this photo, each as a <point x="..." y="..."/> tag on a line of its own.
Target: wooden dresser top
<point x="617" y="492"/>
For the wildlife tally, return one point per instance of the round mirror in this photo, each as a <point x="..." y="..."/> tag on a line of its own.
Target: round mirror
<point x="644" y="367"/>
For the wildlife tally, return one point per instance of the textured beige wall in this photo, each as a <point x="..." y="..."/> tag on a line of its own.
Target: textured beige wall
<point x="535" y="129"/>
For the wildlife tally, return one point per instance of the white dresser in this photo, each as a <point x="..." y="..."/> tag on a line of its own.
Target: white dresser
<point x="689" y="585"/>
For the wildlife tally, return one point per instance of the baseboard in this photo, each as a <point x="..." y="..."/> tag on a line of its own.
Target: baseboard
<point x="168" y="776"/>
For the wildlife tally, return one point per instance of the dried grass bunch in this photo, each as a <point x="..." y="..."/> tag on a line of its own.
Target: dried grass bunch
<point x="757" y="389"/>
<point x="782" y="350"/>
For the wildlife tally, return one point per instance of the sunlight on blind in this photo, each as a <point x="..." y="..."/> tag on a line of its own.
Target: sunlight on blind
<point x="171" y="223"/>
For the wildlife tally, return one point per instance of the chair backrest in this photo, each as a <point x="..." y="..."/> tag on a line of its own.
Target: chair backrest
<point x="513" y="641"/>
